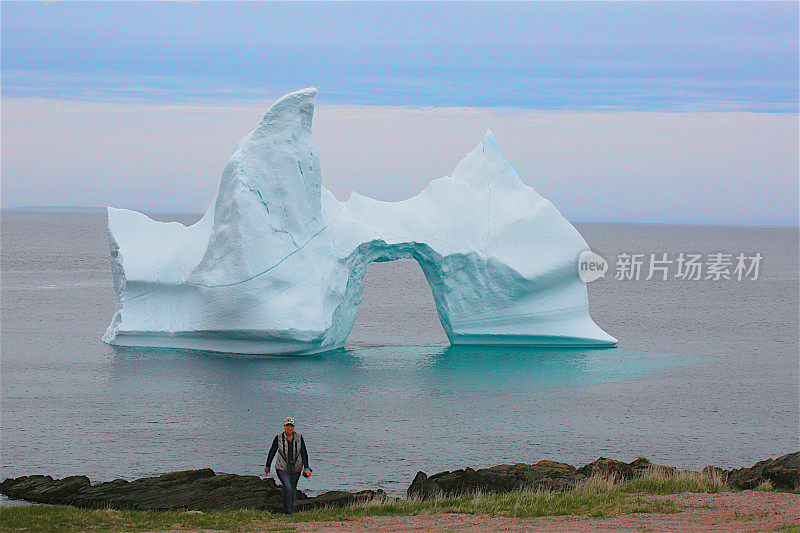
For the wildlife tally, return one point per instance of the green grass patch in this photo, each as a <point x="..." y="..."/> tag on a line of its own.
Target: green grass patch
<point x="585" y="500"/>
<point x="596" y="497"/>
<point x="61" y="519"/>
<point x="658" y="483"/>
<point x="66" y="519"/>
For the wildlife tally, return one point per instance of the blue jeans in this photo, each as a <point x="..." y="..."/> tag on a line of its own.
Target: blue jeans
<point x="289" y="484"/>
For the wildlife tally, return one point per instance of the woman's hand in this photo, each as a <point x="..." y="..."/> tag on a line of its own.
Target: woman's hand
<point x="307" y="472"/>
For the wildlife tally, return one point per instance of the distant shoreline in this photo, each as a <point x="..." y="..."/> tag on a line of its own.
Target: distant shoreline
<point x="101" y="210"/>
<point x="83" y="209"/>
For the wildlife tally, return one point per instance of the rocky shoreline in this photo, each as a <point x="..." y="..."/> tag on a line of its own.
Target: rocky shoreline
<point x="199" y="490"/>
<point x="783" y="473"/>
<point x="206" y="490"/>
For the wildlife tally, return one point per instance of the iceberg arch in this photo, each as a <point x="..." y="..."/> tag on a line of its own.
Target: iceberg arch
<point x="276" y="264"/>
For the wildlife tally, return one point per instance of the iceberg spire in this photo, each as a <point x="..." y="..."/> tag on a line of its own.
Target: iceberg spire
<point x="269" y="199"/>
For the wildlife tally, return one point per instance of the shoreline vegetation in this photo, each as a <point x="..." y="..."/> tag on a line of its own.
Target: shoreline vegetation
<point x="598" y="497"/>
<point x="506" y="494"/>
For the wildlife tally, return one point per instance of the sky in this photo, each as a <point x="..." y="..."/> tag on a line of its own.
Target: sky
<point x="615" y="111"/>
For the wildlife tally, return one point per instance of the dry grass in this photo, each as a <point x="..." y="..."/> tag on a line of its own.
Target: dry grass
<point x="599" y="497"/>
<point x="765" y="486"/>
<point x="656" y="481"/>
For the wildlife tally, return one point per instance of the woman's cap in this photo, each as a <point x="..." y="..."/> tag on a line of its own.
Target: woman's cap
<point x="288" y="420"/>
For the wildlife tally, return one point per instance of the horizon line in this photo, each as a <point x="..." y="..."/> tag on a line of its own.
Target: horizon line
<point x="93" y="209"/>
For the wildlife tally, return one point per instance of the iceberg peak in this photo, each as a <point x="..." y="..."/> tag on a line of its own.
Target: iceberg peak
<point x="491" y="140"/>
<point x="276" y="264"/>
<point x="297" y="105"/>
<point x="485" y="167"/>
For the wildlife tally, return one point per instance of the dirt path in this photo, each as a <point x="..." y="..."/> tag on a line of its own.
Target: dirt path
<point x="740" y="511"/>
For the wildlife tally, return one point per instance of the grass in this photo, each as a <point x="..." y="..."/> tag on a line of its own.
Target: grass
<point x="765" y="486"/>
<point x="588" y="500"/>
<point x="596" y="497"/>
<point x="61" y="519"/>
<point x="656" y="482"/>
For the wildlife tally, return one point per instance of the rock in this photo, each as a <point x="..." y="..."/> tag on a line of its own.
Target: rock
<point x="783" y="473"/>
<point x="422" y="488"/>
<point x="642" y="466"/>
<point x="192" y="489"/>
<point x="620" y="471"/>
<point x="544" y="475"/>
<point x="43" y="489"/>
<point x="610" y="468"/>
<point x="339" y="498"/>
<point x="200" y="490"/>
<point x="550" y="475"/>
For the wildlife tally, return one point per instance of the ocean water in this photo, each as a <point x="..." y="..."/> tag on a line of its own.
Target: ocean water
<point x="706" y="373"/>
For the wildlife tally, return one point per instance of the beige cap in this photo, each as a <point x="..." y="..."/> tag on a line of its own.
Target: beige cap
<point x="288" y="420"/>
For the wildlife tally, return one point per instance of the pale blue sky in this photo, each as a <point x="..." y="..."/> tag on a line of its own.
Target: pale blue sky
<point x="71" y="70"/>
<point x="625" y="55"/>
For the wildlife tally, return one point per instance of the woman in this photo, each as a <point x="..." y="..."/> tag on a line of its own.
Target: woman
<point x="292" y="460"/>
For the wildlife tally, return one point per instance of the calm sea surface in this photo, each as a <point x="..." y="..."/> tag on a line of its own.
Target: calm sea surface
<point x="706" y="373"/>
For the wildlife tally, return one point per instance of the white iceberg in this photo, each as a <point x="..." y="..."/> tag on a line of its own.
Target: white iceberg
<point x="277" y="263"/>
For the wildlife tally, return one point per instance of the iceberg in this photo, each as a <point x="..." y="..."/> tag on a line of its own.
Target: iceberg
<point x="276" y="264"/>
